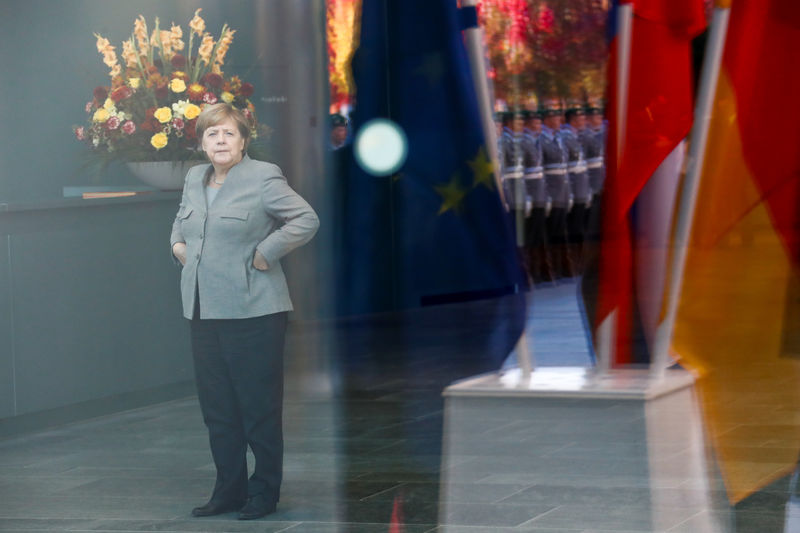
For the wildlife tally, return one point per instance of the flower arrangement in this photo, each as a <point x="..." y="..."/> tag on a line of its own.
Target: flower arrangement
<point x="149" y="111"/>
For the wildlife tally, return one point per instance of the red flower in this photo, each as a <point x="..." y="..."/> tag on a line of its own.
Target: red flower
<point x="213" y="80"/>
<point x="190" y="130"/>
<point x="161" y="92"/>
<point x="178" y="61"/>
<point x="210" y="98"/>
<point x="88" y="107"/>
<point x="80" y="133"/>
<point x="177" y="123"/>
<point x="100" y="93"/>
<point x="247" y="89"/>
<point x="121" y="93"/>
<point x="151" y="124"/>
<point x="129" y="127"/>
<point x="112" y="123"/>
<point x="196" y="92"/>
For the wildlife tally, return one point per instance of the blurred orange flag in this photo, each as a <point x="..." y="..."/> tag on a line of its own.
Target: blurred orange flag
<point x="739" y="313"/>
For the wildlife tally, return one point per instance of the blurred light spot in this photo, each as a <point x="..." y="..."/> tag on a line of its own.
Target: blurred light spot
<point x="381" y="147"/>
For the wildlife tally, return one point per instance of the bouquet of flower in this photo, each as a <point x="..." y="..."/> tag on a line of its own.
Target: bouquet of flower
<point x="149" y="111"/>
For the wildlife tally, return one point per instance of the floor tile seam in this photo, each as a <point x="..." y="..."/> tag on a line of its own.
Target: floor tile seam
<point x="393" y="487"/>
<point x="553" y="454"/>
<point x="537" y="517"/>
<point x="515" y="493"/>
<point x="677" y="526"/>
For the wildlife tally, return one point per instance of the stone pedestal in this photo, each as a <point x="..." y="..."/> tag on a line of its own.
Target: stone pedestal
<point x="619" y="452"/>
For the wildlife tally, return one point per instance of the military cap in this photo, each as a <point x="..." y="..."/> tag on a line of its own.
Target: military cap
<point x="338" y="120"/>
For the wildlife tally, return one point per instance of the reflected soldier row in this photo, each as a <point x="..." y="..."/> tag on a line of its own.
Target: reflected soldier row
<point x="553" y="170"/>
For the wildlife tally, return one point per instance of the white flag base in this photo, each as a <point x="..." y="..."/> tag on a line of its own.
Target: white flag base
<point x="573" y="382"/>
<point x="578" y="441"/>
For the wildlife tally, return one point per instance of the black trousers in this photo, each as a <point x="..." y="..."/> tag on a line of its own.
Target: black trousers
<point x="536" y="244"/>
<point x="238" y="367"/>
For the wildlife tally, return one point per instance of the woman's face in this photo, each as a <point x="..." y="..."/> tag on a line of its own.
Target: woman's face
<point x="223" y="143"/>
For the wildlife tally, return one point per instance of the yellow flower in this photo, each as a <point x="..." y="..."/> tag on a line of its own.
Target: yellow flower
<point x="177" y="85"/>
<point x="226" y="97"/>
<point x="134" y="82"/>
<point x="159" y="140"/>
<point x="163" y="115"/>
<point x="197" y="24"/>
<point x="191" y="111"/>
<point x="109" y="106"/>
<point x="101" y="115"/>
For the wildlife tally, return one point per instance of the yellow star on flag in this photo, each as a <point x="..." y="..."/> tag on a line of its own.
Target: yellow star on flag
<point x="452" y="194"/>
<point x="483" y="169"/>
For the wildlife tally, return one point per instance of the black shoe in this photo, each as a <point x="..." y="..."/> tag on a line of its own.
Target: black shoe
<point x="213" y="508"/>
<point x="256" y="507"/>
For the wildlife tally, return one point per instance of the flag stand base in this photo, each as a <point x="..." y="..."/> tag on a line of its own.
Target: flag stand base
<point x="614" y="451"/>
<point x="573" y="382"/>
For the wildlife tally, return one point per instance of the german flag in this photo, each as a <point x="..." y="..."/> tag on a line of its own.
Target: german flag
<point x="738" y="321"/>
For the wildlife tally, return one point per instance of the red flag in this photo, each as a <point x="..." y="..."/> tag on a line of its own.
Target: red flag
<point x="658" y="116"/>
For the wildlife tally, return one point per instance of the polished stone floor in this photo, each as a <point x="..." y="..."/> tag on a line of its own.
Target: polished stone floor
<point x="370" y="448"/>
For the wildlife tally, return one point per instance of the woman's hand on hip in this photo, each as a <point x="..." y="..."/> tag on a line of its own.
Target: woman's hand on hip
<point x="259" y="263"/>
<point x="179" y="251"/>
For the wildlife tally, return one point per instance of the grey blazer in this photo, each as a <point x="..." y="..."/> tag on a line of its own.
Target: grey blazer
<point x="254" y="210"/>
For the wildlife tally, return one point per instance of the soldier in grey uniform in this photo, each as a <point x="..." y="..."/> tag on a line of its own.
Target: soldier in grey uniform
<point x="578" y="180"/>
<point x="554" y="163"/>
<point x="593" y="138"/>
<point x="511" y="157"/>
<point x="536" y="187"/>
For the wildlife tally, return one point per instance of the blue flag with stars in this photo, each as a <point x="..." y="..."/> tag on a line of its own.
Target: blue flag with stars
<point x="435" y="232"/>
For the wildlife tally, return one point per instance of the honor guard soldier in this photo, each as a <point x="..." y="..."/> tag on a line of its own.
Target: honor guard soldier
<point x="593" y="138"/>
<point x="578" y="180"/>
<point x="536" y="188"/>
<point x="554" y="163"/>
<point x="339" y="131"/>
<point x="512" y="174"/>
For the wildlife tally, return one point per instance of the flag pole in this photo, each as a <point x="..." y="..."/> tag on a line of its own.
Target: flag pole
<point x="607" y="330"/>
<point x="688" y="200"/>
<point x="473" y="37"/>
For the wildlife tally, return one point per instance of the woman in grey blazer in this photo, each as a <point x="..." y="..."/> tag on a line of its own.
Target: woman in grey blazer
<point x="237" y="218"/>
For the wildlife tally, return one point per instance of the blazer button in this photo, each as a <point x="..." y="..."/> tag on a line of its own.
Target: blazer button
<point x="201" y="235"/>
<point x="198" y="256"/>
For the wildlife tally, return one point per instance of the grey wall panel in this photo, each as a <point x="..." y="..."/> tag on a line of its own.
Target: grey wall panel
<point x="6" y="337"/>
<point x="96" y="305"/>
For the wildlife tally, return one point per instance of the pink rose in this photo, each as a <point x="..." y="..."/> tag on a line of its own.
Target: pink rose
<point x="129" y="127"/>
<point x="177" y="123"/>
<point x="112" y="123"/>
<point x="88" y="107"/>
<point x="80" y="133"/>
<point x="210" y="98"/>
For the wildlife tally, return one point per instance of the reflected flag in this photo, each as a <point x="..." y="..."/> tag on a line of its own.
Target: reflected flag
<point x="435" y="232"/>
<point x="644" y="129"/>
<point x="739" y="312"/>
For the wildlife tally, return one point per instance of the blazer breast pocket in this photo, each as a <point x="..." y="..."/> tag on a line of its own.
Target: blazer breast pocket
<point x="233" y="215"/>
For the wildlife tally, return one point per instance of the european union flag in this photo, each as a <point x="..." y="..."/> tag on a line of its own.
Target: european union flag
<point x="435" y="232"/>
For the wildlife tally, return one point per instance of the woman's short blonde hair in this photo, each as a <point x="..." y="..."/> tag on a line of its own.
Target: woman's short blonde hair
<point x="215" y="114"/>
